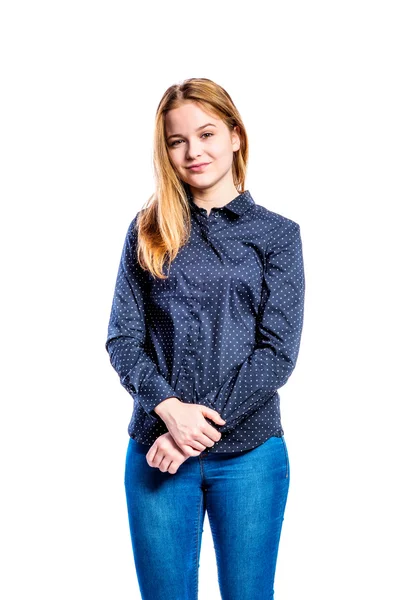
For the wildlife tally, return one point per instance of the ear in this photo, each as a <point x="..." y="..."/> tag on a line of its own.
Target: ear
<point x="235" y="138"/>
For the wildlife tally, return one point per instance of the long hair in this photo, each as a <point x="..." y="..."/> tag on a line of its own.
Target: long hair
<point x="164" y="225"/>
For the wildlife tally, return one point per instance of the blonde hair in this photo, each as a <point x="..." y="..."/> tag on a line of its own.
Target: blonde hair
<point x="164" y="225"/>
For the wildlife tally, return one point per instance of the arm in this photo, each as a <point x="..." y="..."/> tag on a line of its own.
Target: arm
<point x="126" y="333"/>
<point x="280" y="320"/>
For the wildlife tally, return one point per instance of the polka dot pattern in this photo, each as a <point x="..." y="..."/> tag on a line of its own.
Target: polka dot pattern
<point x="223" y="330"/>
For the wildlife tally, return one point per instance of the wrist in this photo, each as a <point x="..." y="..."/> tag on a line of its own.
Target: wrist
<point x="163" y="408"/>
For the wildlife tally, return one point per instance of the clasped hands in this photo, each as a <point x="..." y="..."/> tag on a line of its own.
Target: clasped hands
<point x="188" y="433"/>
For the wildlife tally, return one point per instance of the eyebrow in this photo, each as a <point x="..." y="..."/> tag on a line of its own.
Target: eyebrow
<point x="198" y="129"/>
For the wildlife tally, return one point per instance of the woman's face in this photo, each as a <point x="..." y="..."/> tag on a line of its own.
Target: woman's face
<point x="193" y="137"/>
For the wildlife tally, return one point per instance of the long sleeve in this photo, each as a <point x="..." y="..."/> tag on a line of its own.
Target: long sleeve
<point x="279" y="328"/>
<point x="138" y="373"/>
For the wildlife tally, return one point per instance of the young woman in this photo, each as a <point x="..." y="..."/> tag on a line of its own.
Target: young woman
<point x="205" y="327"/>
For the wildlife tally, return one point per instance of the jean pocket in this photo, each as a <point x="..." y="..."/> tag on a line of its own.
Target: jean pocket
<point x="286" y="455"/>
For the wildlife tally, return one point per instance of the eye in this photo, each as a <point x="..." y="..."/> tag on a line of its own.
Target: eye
<point x="175" y="143"/>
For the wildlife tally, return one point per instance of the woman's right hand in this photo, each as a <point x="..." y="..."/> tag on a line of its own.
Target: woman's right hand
<point x="188" y="426"/>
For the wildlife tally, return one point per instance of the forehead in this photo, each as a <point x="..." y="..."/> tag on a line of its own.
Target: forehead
<point x="189" y="116"/>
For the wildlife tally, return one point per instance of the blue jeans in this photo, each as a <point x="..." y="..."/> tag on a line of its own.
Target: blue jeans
<point x="245" y="497"/>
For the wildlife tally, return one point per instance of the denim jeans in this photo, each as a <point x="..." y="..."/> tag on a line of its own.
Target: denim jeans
<point x="245" y="496"/>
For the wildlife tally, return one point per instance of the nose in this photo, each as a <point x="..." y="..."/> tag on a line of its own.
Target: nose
<point x="193" y="149"/>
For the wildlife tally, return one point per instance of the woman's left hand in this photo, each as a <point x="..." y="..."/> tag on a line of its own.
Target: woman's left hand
<point x="166" y="455"/>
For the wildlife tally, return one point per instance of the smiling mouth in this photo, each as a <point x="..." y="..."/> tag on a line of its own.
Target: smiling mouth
<point x="198" y="167"/>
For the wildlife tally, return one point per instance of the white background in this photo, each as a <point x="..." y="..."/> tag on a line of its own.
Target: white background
<point x="329" y="93"/>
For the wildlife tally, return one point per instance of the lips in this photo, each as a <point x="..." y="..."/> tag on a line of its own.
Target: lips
<point x="198" y="167"/>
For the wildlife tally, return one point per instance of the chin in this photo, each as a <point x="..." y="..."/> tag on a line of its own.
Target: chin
<point x="200" y="180"/>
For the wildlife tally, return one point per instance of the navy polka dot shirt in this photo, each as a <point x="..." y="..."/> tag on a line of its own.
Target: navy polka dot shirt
<point x="223" y="330"/>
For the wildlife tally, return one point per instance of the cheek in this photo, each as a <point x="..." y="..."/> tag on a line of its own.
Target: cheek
<point x="177" y="164"/>
<point x="222" y="149"/>
<point x="224" y="157"/>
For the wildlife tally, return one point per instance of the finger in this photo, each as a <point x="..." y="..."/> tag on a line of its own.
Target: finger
<point x="197" y="444"/>
<point x="184" y="451"/>
<point x="166" y="461"/>
<point x="151" y="454"/>
<point x="195" y="452"/>
<point x="213" y="415"/>
<point x="194" y="443"/>
<point x="159" y="457"/>
<point x="211" y="434"/>
<point x="173" y="467"/>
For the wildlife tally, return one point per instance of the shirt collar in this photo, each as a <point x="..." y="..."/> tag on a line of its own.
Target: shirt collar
<point x="240" y="204"/>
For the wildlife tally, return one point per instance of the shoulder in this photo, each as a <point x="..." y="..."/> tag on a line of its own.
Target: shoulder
<point x="275" y="225"/>
<point x="133" y="226"/>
